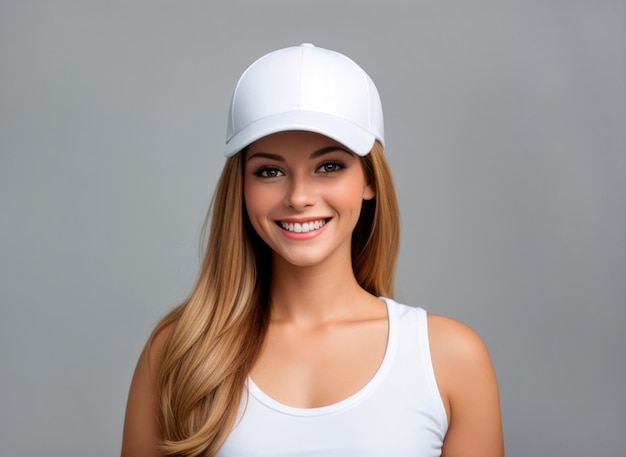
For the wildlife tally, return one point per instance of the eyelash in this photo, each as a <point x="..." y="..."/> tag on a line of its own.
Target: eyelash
<point x="263" y="172"/>
<point x="337" y="166"/>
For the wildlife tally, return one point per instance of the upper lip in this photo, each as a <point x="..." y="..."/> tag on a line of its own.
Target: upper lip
<point x="303" y="220"/>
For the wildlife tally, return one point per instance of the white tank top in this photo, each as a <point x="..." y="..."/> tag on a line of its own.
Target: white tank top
<point x="399" y="413"/>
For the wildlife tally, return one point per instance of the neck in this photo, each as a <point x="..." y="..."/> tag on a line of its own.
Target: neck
<point x="311" y="296"/>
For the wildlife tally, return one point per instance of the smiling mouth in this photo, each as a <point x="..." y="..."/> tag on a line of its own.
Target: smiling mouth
<point x="303" y="227"/>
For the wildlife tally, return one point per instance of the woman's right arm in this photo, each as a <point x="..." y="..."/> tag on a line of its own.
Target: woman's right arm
<point x="141" y="431"/>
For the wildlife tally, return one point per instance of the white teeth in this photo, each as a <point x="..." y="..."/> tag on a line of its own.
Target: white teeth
<point x="304" y="227"/>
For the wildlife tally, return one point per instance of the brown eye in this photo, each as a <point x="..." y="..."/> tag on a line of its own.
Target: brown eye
<point x="330" y="167"/>
<point x="269" y="172"/>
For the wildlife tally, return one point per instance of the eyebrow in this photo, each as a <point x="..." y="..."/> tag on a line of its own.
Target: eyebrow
<point x="315" y="154"/>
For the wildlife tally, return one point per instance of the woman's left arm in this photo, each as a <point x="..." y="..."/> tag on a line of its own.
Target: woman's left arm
<point x="469" y="389"/>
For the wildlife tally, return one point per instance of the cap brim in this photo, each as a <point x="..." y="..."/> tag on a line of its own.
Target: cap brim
<point x="345" y="132"/>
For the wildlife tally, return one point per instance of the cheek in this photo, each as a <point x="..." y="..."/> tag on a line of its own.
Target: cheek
<point x="252" y="195"/>
<point x="252" y="201"/>
<point x="348" y="196"/>
<point x="248" y="198"/>
<point x="259" y="199"/>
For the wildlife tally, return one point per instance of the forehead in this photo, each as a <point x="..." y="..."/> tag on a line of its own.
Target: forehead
<point x="293" y="140"/>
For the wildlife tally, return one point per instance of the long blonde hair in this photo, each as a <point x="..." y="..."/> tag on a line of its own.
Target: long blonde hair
<point x="215" y="335"/>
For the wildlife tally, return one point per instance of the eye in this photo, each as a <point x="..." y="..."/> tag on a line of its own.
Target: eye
<point x="268" y="172"/>
<point x="329" y="167"/>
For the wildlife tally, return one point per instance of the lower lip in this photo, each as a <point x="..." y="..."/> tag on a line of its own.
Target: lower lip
<point x="302" y="235"/>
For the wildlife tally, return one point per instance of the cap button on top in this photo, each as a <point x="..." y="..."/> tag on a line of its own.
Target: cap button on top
<point x="307" y="45"/>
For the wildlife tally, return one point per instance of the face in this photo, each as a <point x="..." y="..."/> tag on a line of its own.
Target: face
<point x="303" y="194"/>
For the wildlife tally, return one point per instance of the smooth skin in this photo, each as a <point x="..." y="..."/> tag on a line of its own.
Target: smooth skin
<point x="141" y="430"/>
<point x="327" y="336"/>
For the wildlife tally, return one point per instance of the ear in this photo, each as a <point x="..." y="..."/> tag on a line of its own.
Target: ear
<point x="368" y="192"/>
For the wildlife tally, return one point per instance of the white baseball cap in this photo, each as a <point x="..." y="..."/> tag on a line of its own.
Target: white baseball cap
<point x="305" y="88"/>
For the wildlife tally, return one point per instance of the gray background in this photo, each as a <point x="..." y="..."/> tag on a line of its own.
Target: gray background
<point x="506" y="134"/>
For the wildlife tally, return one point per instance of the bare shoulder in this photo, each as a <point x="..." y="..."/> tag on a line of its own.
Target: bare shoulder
<point x="469" y="389"/>
<point x="148" y="362"/>
<point x="455" y="344"/>
<point x="141" y="430"/>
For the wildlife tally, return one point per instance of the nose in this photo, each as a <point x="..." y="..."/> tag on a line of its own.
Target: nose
<point x="300" y="193"/>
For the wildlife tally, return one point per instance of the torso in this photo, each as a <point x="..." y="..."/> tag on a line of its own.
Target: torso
<point x="398" y="412"/>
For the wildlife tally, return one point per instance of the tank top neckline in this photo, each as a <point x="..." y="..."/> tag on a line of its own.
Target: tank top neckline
<point x="355" y="398"/>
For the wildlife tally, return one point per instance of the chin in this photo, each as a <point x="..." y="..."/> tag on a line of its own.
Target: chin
<point x="301" y="261"/>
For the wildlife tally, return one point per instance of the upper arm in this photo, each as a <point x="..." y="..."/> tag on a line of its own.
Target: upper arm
<point x="469" y="389"/>
<point x="141" y="430"/>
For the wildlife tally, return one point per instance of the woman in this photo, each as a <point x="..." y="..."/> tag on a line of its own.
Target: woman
<point x="290" y="343"/>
